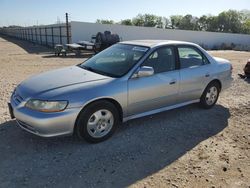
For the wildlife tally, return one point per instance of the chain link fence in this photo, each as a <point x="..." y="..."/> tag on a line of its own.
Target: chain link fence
<point x="48" y="35"/>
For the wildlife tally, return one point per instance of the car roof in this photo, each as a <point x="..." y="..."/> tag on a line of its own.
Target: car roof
<point x="154" y="43"/>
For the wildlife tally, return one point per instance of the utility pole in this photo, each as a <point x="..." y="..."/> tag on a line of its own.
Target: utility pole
<point x="67" y="27"/>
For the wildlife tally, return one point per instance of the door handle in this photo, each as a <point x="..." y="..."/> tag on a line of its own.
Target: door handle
<point x="172" y="82"/>
<point x="207" y="75"/>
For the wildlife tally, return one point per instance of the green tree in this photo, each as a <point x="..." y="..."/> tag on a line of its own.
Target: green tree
<point x="150" y="20"/>
<point x="202" y="23"/>
<point x="188" y="22"/>
<point x="105" y="21"/>
<point x="175" y="21"/>
<point x="246" y="26"/>
<point x="126" y="22"/>
<point x="185" y="22"/>
<point x="212" y="23"/>
<point x="245" y="14"/>
<point x="146" y="20"/>
<point x="230" y="21"/>
<point x="138" y="20"/>
<point x="161" y="22"/>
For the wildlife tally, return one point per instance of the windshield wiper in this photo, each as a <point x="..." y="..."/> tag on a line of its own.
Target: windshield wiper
<point x="87" y="68"/>
<point x="96" y="71"/>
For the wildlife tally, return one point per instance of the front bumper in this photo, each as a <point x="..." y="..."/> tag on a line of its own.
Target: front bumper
<point x="45" y="124"/>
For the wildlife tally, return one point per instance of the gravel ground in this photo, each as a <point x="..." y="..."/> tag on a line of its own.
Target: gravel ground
<point x="186" y="147"/>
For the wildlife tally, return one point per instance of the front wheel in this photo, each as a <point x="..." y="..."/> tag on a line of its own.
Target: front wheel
<point x="210" y="95"/>
<point x="97" y="122"/>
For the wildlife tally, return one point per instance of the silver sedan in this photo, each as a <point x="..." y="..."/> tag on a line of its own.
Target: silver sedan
<point x="126" y="81"/>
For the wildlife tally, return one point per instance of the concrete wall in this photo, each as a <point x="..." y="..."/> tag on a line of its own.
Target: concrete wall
<point x="84" y="31"/>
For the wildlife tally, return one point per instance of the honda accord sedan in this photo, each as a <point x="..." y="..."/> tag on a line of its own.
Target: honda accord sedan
<point x="126" y="81"/>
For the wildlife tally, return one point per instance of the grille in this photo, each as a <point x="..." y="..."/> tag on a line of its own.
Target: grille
<point x="17" y="98"/>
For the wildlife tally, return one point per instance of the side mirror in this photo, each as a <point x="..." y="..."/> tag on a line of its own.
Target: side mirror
<point x="144" y="72"/>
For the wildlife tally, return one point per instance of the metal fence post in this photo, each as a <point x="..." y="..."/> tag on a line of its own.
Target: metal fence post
<point x="60" y="34"/>
<point x="31" y="34"/>
<point x="36" y="35"/>
<point x="67" y="27"/>
<point x="40" y="32"/>
<point x="28" y="33"/>
<point x="25" y="35"/>
<point x="46" y="39"/>
<point x="52" y="35"/>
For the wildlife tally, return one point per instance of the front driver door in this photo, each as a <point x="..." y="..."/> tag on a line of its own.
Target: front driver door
<point x="156" y="91"/>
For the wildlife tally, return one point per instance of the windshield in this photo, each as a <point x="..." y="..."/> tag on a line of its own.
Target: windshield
<point x="115" y="61"/>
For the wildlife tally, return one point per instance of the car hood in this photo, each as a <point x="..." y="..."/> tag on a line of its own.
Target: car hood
<point x="57" y="79"/>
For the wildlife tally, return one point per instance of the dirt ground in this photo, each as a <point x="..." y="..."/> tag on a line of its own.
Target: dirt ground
<point x="186" y="147"/>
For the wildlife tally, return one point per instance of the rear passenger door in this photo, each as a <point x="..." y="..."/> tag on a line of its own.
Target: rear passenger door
<point x="194" y="73"/>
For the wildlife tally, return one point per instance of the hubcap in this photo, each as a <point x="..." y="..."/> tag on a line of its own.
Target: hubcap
<point x="211" y="95"/>
<point x="100" y="123"/>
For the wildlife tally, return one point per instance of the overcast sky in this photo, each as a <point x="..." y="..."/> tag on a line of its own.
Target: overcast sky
<point x="32" y="12"/>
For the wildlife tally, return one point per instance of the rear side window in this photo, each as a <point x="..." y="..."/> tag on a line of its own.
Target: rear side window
<point x="191" y="57"/>
<point x="162" y="60"/>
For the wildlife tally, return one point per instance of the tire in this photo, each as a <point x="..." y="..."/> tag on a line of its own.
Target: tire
<point x="210" y="95"/>
<point x="100" y="38"/>
<point x="107" y="33"/>
<point x="94" y="124"/>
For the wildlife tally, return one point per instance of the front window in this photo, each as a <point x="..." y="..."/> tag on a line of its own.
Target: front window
<point x="115" y="61"/>
<point x="162" y="60"/>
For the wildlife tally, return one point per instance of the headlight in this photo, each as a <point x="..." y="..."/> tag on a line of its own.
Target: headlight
<point x="46" y="106"/>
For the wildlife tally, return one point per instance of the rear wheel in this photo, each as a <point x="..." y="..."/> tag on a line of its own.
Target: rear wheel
<point x="97" y="122"/>
<point x="210" y="95"/>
